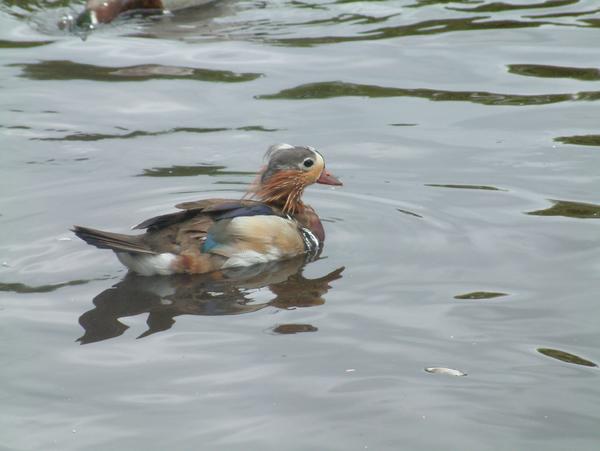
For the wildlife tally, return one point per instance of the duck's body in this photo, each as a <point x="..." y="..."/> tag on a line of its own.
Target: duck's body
<point x="216" y="234"/>
<point x="105" y="11"/>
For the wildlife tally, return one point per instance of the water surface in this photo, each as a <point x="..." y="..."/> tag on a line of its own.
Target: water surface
<point x="465" y="236"/>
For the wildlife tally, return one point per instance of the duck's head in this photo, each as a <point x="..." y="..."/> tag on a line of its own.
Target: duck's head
<point x="289" y="170"/>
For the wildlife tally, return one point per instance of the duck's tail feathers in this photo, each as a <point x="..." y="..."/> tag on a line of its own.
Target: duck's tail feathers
<point x="114" y="241"/>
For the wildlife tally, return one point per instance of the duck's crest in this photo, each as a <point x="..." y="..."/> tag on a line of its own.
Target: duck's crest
<point x="275" y="147"/>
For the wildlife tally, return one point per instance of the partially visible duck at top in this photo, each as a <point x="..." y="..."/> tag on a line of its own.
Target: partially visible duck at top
<point x="213" y="234"/>
<point x="105" y="11"/>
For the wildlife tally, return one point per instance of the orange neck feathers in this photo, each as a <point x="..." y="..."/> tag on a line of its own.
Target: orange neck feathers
<point x="284" y="190"/>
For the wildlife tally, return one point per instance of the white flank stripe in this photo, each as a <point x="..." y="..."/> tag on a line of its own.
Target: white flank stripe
<point x="148" y="265"/>
<point x="249" y="258"/>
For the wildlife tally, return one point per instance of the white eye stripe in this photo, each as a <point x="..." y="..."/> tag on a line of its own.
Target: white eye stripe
<point x="317" y="153"/>
<point x="320" y="161"/>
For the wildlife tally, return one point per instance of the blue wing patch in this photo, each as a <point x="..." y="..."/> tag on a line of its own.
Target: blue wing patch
<point x="218" y="233"/>
<point x="209" y="244"/>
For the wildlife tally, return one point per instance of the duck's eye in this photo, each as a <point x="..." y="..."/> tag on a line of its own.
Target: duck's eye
<point x="308" y="163"/>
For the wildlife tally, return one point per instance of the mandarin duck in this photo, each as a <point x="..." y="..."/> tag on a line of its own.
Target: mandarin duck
<point x="216" y="234"/>
<point x="105" y="11"/>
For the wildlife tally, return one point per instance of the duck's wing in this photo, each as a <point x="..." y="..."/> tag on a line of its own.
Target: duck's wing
<point x="191" y="210"/>
<point x="162" y="221"/>
<point x="215" y="205"/>
<point x="204" y="239"/>
<point x="206" y="204"/>
<point x="216" y="208"/>
<point x="195" y="229"/>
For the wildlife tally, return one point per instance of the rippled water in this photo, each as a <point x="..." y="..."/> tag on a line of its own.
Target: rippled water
<point x="465" y="239"/>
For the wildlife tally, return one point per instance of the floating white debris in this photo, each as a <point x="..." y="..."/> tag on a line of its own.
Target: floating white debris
<point x="64" y="238"/>
<point x="447" y="371"/>
<point x="350" y="370"/>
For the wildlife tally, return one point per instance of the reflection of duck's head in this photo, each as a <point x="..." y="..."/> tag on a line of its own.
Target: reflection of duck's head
<point x="228" y="292"/>
<point x="216" y="234"/>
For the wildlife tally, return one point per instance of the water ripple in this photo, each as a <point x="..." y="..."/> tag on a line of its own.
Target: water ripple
<point x="482" y="187"/>
<point x="187" y="171"/>
<point x="5" y="44"/>
<point x="569" y="209"/>
<point x="79" y="136"/>
<point x="580" y="140"/>
<point x="546" y="71"/>
<point x="566" y="357"/>
<point x="332" y="89"/>
<point x="23" y="288"/>
<point x="69" y="70"/>
<point x="427" y="27"/>
<point x="480" y="295"/>
<point x="501" y="6"/>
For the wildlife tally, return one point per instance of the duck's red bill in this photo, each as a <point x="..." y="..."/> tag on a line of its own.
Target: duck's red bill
<point x="327" y="179"/>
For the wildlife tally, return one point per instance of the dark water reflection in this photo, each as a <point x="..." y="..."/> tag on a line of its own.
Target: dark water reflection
<point x="69" y="70"/>
<point x="4" y="44"/>
<point x="501" y="6"/>
<point x="229" y="292"/>
<point x="566" y="14"/>
<point x="287" y="329"/>
<point x="428" y="27"/>
<point x="23" y="288"/>
<point x="580" y="140"/>
<point x="332" y="89"/>
<point x="186" y="171"/>
<point x="482" y="187"/>
<point x="32" y="5"/>
<point x="565" y="357"/>
<point x="80" y="136"/>
<point x="476" y="295"/>
<point x="570" y="209"/>
<point x="545" y="71"/>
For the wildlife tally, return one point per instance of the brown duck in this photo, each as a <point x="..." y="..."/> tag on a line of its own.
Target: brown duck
<point x="214" y="234"/>
<point x="105" y="11"/>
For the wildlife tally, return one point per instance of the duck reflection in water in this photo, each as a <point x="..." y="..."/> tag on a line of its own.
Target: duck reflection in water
<point x="226" y="292"/>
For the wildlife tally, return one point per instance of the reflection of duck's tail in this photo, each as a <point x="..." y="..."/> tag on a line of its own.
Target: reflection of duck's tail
<point x="114" y="241"/>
